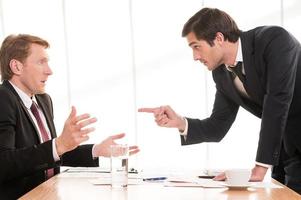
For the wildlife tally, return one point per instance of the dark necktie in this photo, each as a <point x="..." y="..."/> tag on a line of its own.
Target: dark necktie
<point x="36" y="114"/>
<point x="44" y="134"/>
<point x="237" y="71"/>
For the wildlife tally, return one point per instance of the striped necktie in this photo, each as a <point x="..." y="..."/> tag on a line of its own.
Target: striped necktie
<point x="44" y="134"/>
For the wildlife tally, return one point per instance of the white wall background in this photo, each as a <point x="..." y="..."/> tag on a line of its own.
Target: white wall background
<point x="111" y="57"/>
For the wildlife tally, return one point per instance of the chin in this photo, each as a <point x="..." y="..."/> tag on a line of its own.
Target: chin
<point x="214" y="67"/>
<point x="40" y="91"/>
<point x="210" y="68"/>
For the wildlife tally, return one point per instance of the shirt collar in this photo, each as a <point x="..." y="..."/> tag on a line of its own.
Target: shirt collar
<point x="239" y="52"/>
<point x="27" y="100"/>
<point x="238" y="57"/>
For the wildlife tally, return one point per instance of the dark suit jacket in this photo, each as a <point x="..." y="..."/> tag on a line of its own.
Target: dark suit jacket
<point x="272" y="62"/>
<point x="23" y="159"/>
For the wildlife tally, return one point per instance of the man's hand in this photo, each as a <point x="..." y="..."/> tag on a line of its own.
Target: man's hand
<point x="74" y="132"/>
<point x="220" y="177"/>
<point x="103" y="148"/>
<point x="257" y="174"/>
<point x="165" y="116"/>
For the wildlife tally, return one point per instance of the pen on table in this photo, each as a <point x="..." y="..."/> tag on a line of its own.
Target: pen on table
<point x="155" y="179"/>
<point x="206" y="176"/>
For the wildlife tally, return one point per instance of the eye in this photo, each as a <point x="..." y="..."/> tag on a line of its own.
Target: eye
<point x="196" y="47"/>
<point x="42" y="61"/>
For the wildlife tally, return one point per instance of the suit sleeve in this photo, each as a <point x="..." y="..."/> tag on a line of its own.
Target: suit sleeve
<point x="81" y="156"/>
<point x="18" y="162"/>
<point x="214" y="128"/>
<point x="281" y="56"/>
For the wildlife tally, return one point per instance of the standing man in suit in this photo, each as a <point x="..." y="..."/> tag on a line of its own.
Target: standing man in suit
<point x="30" y="152"/>
<point x="268" y="85"/>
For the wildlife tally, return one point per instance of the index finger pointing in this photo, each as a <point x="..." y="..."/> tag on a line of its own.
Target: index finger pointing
<point x="147" y="110"/>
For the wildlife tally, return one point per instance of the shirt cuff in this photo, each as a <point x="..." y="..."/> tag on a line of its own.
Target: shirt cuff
<point x="93" y="152"/>
<point x="54" y="151"/>
<point x="263" y="165"/>
<point x="184" y="133"/>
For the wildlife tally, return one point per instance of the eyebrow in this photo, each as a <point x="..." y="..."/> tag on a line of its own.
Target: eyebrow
<point x="44" y="59"/>
<point x="191" y="43"/>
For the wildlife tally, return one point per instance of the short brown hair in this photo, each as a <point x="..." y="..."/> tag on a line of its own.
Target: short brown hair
<point x="207" y="22"/>
<point x="16" y="47"/>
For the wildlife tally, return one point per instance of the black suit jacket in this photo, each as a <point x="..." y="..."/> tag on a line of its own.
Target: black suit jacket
<point x="23" y="158"/>
<point x="272" y="62"/>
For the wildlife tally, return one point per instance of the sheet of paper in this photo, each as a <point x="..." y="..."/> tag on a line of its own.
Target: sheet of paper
<point x="86" y="170"/>
<point x="83" y="175"/>
<point x="209" y="183"/>
<point x="191" y="182"/>
<point x="90" y="172"/>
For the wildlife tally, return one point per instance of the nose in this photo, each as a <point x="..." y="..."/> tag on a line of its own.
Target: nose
<point x="48" y="70"/>
<point x="196" y="56"/>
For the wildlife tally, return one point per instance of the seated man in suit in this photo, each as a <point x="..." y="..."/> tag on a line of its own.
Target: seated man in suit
<point x="259" y="70"/>
<point x="30" y="152"/>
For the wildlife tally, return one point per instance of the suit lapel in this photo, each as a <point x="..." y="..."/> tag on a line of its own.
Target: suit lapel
<point x="11" y="88"/>
<point x="44" y="106"/>
<point x="253" y="84"/>
<point x="225" y="84"/>
<point x="30" y="119"/>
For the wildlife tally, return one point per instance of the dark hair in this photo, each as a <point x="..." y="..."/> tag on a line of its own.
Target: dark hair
<point x="16" y="47"/>
<point x="207" y="22"/>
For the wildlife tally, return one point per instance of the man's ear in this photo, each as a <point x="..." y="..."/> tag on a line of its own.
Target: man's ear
<point x="219" y="37"/>
<point x="16" y="66"/>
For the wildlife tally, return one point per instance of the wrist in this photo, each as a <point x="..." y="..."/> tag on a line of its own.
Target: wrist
<point x="59" y="147"/>
<point x="259" y="164"/>
<point x="96" y="151"/>
<point x="182" y="124"/>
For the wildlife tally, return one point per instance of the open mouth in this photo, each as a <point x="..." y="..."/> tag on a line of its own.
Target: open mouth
<point x="203" y="62"/>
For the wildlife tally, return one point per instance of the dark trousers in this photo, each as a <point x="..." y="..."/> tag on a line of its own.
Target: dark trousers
<point x="288" y="171"/>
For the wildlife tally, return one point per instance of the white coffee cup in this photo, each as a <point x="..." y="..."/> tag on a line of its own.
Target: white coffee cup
<point x="237" y="177"/>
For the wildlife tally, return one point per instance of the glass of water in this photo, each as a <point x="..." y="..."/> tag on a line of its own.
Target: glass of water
<point x="119" y="165"/>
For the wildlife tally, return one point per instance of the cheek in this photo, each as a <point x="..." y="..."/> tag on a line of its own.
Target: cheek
<point x="201" y="53"/>
<point x="208" y="54"/>
<point x="215" y="54"/>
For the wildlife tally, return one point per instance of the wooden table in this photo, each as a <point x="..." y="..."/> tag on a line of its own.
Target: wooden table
<point x="74" y="187"/>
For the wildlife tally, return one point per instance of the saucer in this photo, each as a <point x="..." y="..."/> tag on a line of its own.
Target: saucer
<point x="236" y="187"/>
